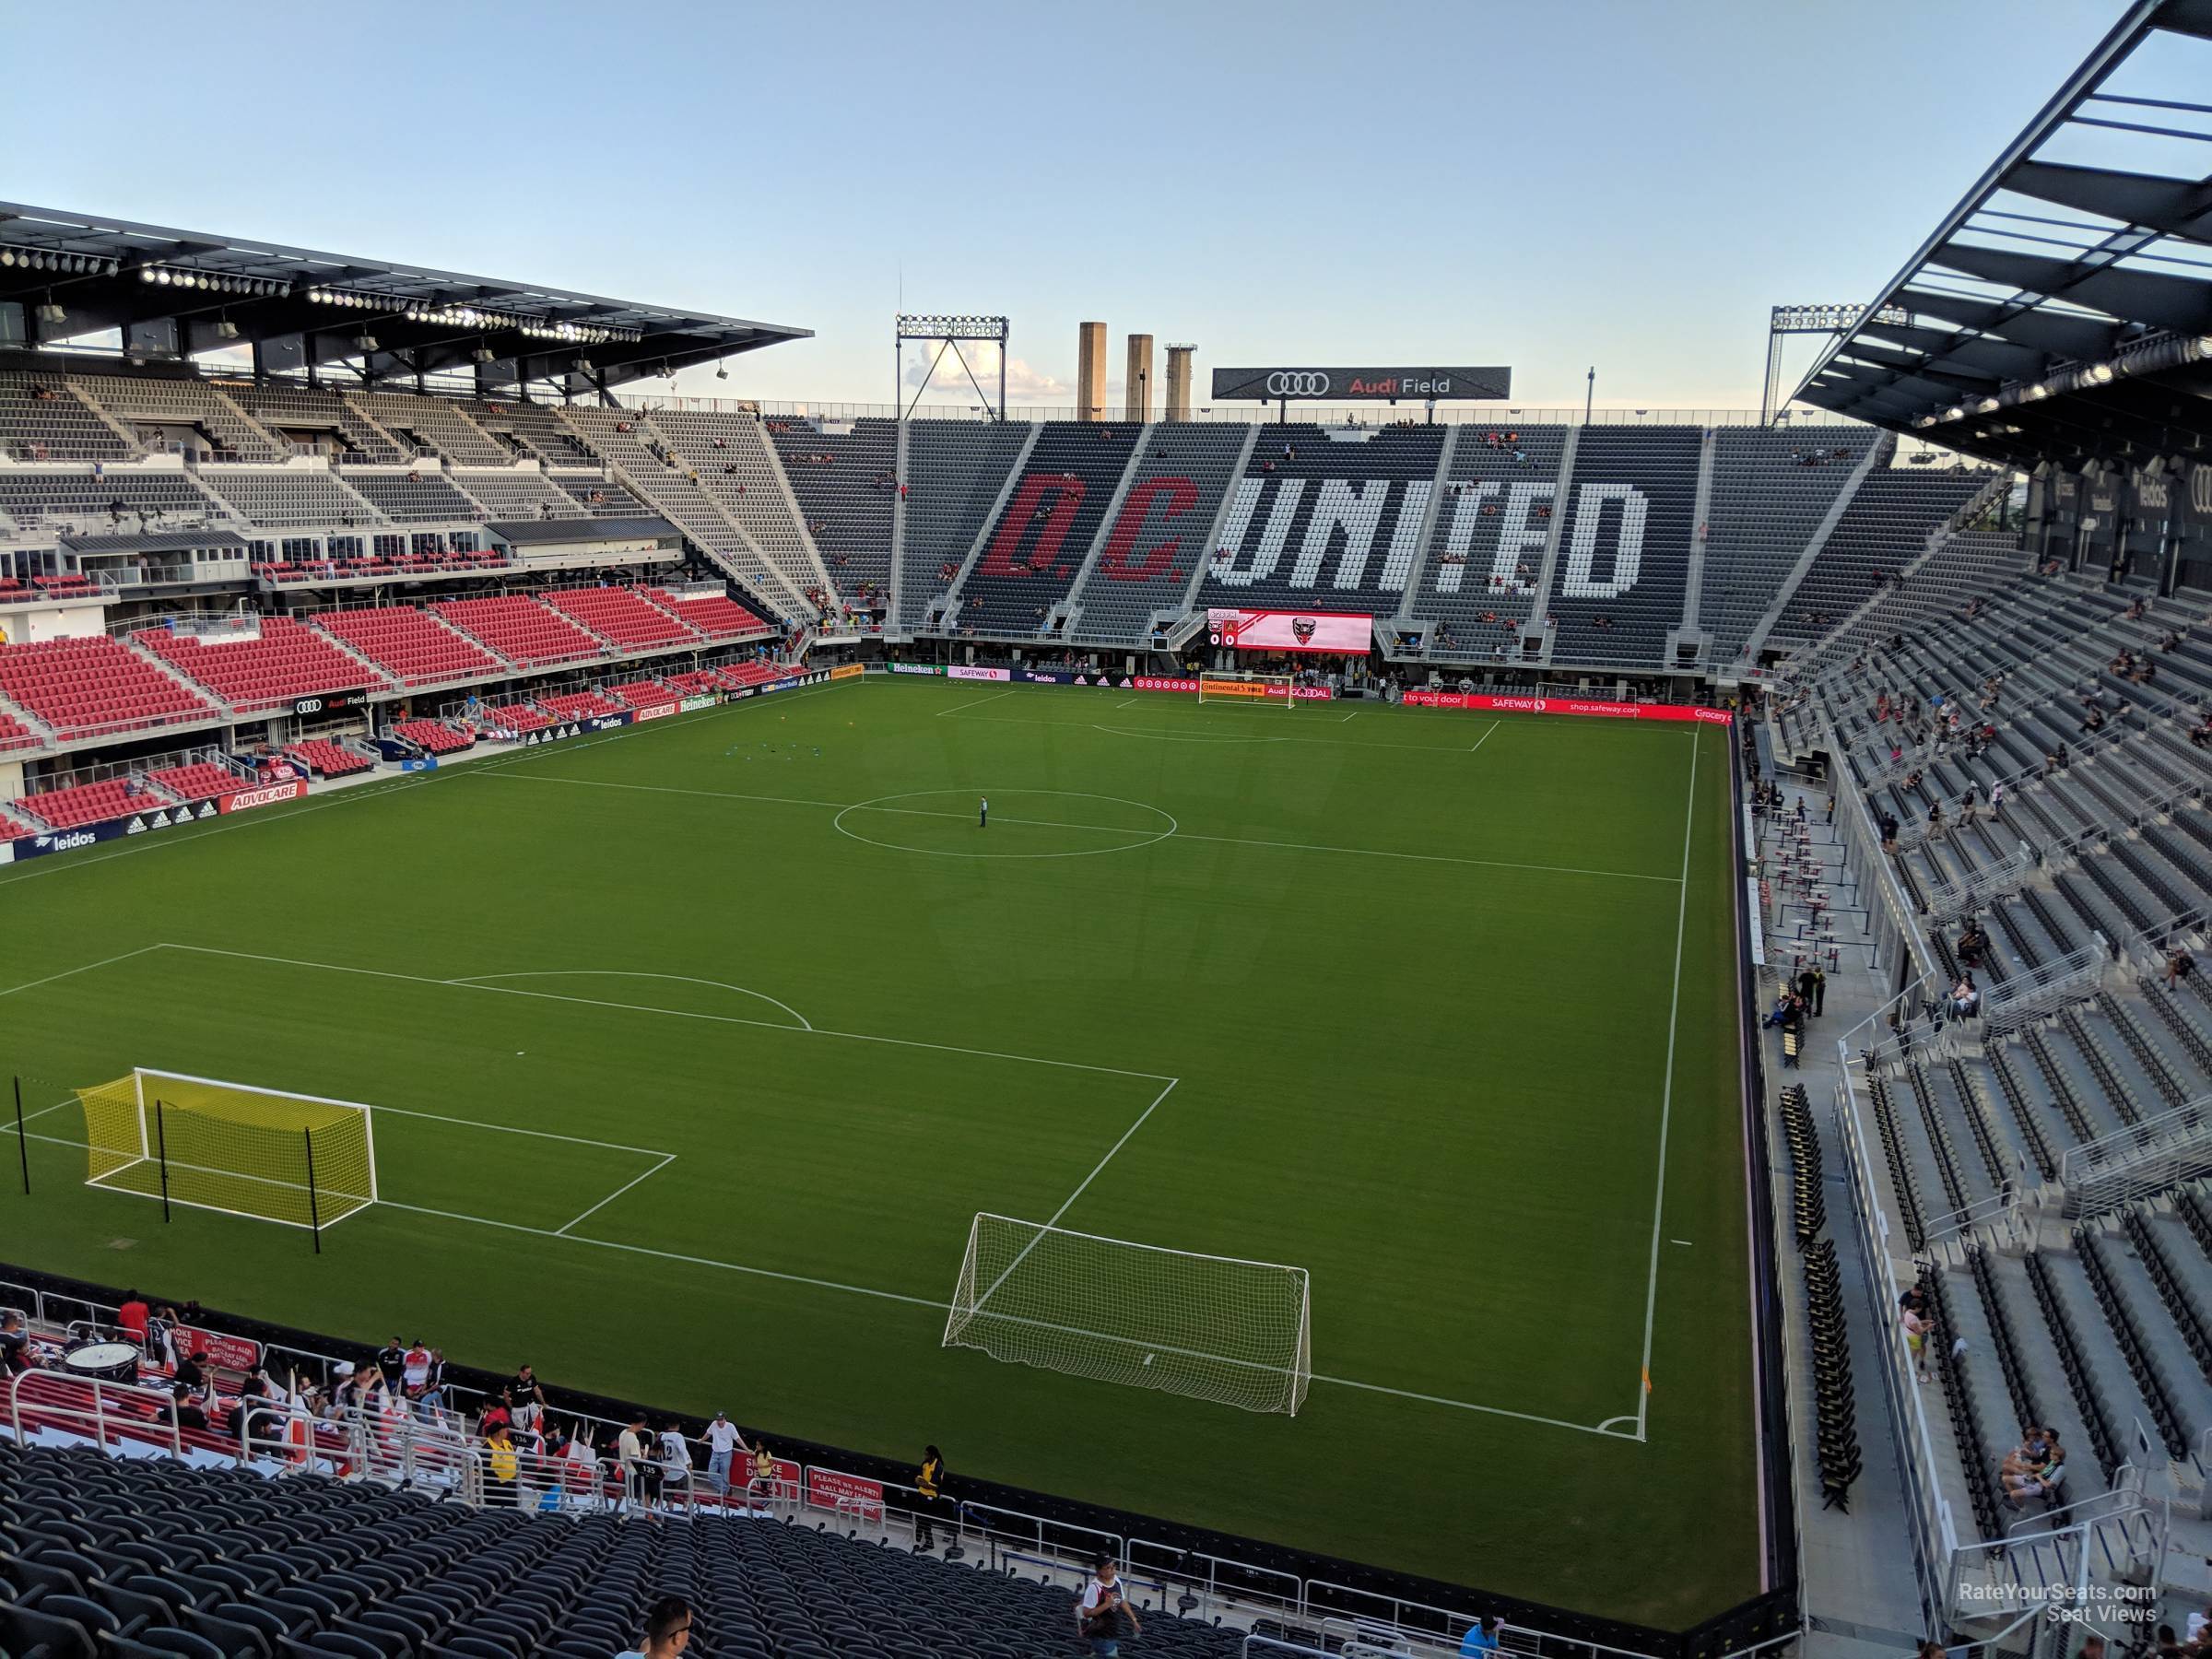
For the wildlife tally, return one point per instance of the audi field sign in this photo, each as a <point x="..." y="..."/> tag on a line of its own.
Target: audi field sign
<point x="1361" y="385"/>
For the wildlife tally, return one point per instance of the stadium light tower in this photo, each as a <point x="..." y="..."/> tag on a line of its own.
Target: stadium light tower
<point x="1810" y="319"/>
<point x="946" y="333"/>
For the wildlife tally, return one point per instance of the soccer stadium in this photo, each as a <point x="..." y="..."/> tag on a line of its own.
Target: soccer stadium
<point x="1286" y="1008"/>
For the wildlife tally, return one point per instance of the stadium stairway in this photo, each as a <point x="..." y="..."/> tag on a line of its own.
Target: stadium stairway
<point x="645" y="464"/>
<point x="1040" y="539"/>
<point x="956" y="476"/>
<point x="1479" y="574"/>
<point x="1153" y="553"/>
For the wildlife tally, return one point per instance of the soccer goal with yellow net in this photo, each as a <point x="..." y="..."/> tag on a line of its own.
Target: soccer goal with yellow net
<point x="293" y="1158"/>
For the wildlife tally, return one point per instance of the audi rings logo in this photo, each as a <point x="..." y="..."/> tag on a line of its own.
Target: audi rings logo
<point x="1297" y="382"/>
<point x="307" y="705"/>
<point x="2200" y="488"/>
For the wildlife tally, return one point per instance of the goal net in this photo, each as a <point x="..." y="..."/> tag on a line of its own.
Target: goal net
<point x="1214" y="1327"/>
<point x="293" y="1158"/>
<point x="1252" y="689"/>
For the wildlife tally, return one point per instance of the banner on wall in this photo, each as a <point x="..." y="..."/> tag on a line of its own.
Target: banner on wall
<point x="1483" y="704"/>
<point x="266" y="794"/>
<point x="960" y="671"/>
<point x="847" y="671"/>
<point x="914" y="668"/>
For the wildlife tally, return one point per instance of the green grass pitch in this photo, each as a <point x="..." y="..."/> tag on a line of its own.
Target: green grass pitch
<point x="692" y="1070"/>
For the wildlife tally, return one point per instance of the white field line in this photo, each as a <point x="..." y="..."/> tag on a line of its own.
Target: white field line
<point x="1484" y="738"/>
<point x="594" y="1002"/>
<point x="666" y="1161"/>
<point x="1188" y="835"/>
<point x="69" y="972"/>
<point x="574" y="1140"/>
<point x="475" y="979"/>
<point x="983" y="1301"/>
<point x="1667" y="1096"/>
<point x="894" y="1296"/>
<point x="979" y="702"/>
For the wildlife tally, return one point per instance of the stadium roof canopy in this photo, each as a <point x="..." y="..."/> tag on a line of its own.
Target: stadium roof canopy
<point x="2063" y="311"/>
<point x="175" y="294"/>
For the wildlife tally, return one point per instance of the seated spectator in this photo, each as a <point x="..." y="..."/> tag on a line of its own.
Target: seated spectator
<point x="15" y="1345"/>
<point x="667" y="1631"/>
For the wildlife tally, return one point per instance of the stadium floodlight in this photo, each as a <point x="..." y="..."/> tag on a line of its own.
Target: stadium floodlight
<point x="2102" y="373"/>
<point x="226" y="330"/>
<point x="1988" y="405"/>
<point x="1217" y="1328"/>
<point x="367" y="342"/>
<point x="1954" y="413"/>
<point x="49" y="311"/>
<point x="298" y="1161"/>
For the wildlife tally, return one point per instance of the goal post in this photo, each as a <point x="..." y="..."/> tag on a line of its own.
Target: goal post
<point x="299" y="1160"/>
<point x="1260" y="691"/>
<point x="1219" y="1328"/>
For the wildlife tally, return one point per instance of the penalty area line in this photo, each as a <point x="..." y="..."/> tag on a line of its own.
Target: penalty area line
<point x="935" y="1307"/>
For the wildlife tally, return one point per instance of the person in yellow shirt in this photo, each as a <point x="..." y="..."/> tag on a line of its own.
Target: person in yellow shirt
<point x="929" y="1487"/>
<point x="502" y="1464"/>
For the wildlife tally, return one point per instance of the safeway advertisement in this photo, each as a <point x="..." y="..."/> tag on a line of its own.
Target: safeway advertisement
<point x="958" y="671"/>
<point x="1289" y="630"/>
<point x="1483" y="704"/>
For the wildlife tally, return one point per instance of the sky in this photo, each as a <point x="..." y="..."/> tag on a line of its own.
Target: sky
<point x="1554" y="184"/>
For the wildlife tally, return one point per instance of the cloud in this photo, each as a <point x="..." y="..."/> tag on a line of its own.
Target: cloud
<point x="1025" y="382"/>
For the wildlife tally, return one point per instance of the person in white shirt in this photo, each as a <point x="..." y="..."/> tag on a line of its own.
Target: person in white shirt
<point x="676" y="1463"/>
<point x="640" y="1476"/>
<point x="1101" y="1610"/>
<point x="723" y="1442"/>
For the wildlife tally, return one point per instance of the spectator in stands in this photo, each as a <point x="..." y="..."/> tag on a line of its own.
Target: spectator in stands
<point x="502" y="1467"/>
<point x="1101" y="1608"/>
<point x="640" y="1474"/>
<point x="131" y="1318"/>
<point x="1482" y="1637"/>
<point x="929" y="1497"/>
<point x="667" y="1631"/>
<point x="723" y="1441"/>
<point x="193" y="1373"/>
<point x="1966" y="998"/>
<point x="676" y="1460"/>
<point x="2180" y="964"/>
<point x="1918" y="1327"/>
<point x="526" y="1399"/>
<point x="1889" y="829"/>
<point x="15" y="1345"/>
<point x="392" y="1359"/>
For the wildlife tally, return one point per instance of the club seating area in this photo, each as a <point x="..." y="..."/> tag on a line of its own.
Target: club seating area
<point x="620" y="616"/>
<point x="434" y="736"/>
<point x="254" y="672"/>
<point x="643" y="694"/>
<point x="14" y="591"/>
<point x="710" y="613"/>
<point x="521" y="630"/>
<point x="77" y="803"/>
<point x="324" y="758"/>
<point x="89" y="686"/>
<point x="579" y="705"/>
<point x="410" y="645"/>
<point x="198" y="781"/>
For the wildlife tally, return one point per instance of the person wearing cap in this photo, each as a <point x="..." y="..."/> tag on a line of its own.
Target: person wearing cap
<point x="1482" y="1637"/>
<point x="723" y="1442"/>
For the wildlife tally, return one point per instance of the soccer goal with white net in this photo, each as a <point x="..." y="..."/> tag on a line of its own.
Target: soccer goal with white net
<point x="296" y="1159"/>
<point x="1262" y="690"/>
<point x="1214" y="1327"/>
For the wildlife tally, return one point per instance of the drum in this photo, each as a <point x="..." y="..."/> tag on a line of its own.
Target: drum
<point x="102" y="1362"/>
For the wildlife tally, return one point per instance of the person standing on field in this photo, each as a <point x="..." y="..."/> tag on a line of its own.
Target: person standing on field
<point x="983" y="813"/>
